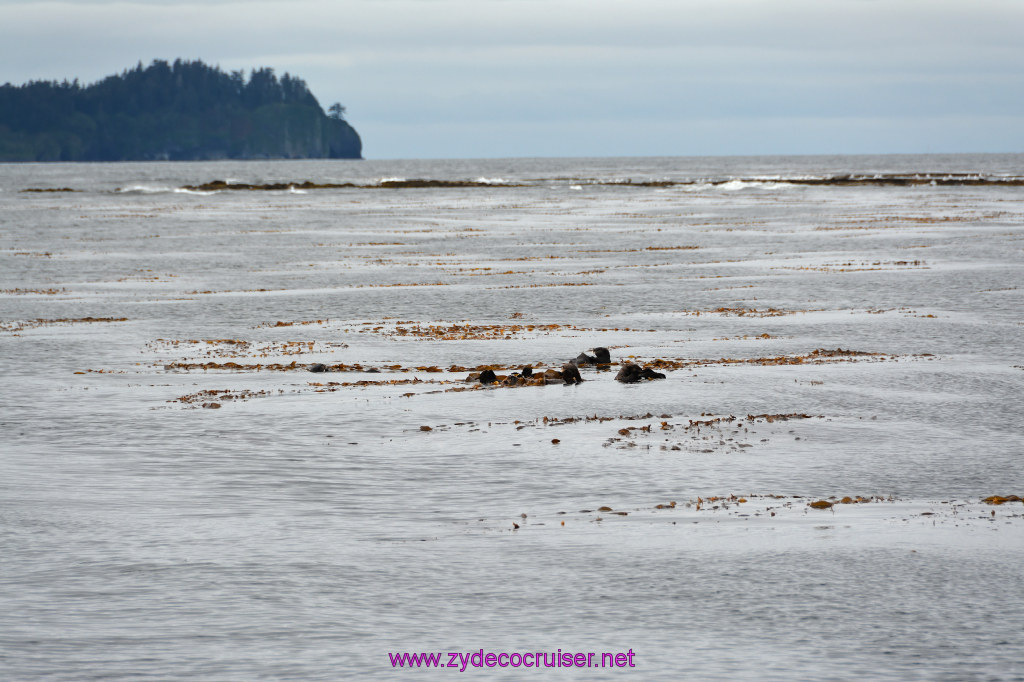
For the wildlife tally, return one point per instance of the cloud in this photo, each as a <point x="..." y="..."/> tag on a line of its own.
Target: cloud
<point x="479" y="68"/>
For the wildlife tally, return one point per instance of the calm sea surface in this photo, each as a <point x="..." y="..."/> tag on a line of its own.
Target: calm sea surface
<point x="181" y="498"/>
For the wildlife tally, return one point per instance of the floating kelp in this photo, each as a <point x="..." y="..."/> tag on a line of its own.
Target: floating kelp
<point x="778" y="417"/>
<point x="25" y="292"/>
<point x="255" y="366"/>
<point x="816" y="357"/>
<point x="427" y="184"/>
<point x="238" y="348"/>
<point x="947" y="179"/>
<point x="463" y="332"/>
<point x="222" y="185"/>
<point x="208" y="397"/>
<point x="280" y="323"/>
<point x="999" y="499"/>
<point x="31" y="324"/>
<point x="850" y="180"/>
<point x="863" y="266"/>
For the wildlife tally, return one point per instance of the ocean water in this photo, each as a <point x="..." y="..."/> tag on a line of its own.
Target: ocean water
<point x="181" y="498"/>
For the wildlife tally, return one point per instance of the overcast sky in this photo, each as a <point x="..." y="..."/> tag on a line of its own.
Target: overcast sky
<point x="497" y="78"/>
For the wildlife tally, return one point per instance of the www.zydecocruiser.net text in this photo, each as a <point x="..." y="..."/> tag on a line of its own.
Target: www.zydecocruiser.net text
<point x="462" y="660"/>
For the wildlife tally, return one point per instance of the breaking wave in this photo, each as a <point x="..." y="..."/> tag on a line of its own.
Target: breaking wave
<point x="144" y="189"/>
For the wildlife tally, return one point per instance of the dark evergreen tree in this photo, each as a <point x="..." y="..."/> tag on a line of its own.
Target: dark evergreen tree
<point x="184" y="110"/>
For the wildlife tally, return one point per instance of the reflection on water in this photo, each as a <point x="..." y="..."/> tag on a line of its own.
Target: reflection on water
<point x="179" y="499"/>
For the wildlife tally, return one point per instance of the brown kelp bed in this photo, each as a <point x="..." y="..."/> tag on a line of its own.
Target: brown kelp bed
<point x="899" y="180"/>
<point x="50" y="291"/>
<point x="923" y="178"/>
<point x="866" y="511"/>
<point x="21" y="325"/>
<point x="220" y="185"/>
<point x="217" y="348"/>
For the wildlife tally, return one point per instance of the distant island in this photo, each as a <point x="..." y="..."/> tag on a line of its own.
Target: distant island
<point x="181" y="111"/>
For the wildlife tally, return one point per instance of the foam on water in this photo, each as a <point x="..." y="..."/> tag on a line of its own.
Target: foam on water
<point x="145" y="189"/>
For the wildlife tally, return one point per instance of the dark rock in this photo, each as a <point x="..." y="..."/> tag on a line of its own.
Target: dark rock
<point x="602" y="356"/>
<point x="570" y="374"/>
<point x="488" y="377"/>
<point x="629" y="374"/>
<point x="318" y="367"/>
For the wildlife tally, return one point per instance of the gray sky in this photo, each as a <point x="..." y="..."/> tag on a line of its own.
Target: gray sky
<point x="495" y="78"/>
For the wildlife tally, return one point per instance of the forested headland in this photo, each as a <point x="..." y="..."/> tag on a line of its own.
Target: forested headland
<point x="186" y="110"/>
